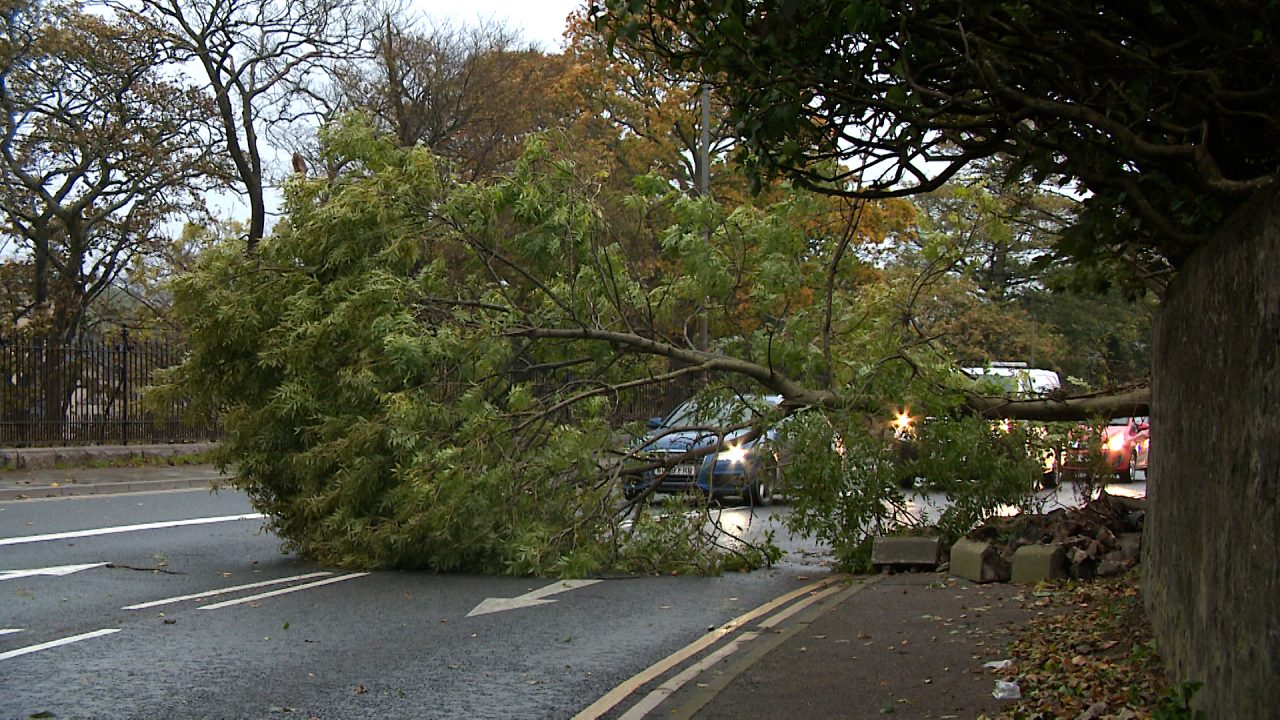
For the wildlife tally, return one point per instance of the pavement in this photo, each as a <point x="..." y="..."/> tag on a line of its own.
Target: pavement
<point x="910" y="645"/>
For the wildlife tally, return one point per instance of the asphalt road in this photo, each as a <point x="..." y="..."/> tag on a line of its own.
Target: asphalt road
<point x="179" y="605"/>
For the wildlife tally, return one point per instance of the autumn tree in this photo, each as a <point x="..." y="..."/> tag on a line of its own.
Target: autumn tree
<point x="99" y="149"/>
<point x="1166" y="115"/>
<point x="258" y="62"/>
<point x="993" y="286"/>
<point x="471" y="94"/>
<point x="653" y="120"/>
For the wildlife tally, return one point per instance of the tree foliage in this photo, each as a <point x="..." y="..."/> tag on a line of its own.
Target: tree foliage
<point x="375" y="403"/>
<point x="99" y="148"/>
<point x="1165" y="112"/>
<point x="470" y="94"/>
<point x="419" y="373"/>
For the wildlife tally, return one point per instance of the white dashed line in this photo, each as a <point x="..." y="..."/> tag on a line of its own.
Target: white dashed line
<point x="282" y="591"/>
<point x="55" y="643"/>
<point x="223" y="591"/>
<point x="128" y="528"/>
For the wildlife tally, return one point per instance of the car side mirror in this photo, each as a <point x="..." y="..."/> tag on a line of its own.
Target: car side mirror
<point x="654" y="423"/>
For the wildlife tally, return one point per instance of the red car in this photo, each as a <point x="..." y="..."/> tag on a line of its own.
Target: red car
<point x="1124" y="447"/>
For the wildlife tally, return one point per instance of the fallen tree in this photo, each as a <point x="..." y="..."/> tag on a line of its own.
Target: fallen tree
<point x="418" y="373"/>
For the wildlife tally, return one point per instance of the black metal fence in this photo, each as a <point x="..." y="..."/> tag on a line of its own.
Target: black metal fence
<point x="88" y="393"/>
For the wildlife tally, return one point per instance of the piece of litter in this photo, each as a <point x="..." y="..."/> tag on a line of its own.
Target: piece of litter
<point x="1007" y="691"/>
<point x="998" y="664"/>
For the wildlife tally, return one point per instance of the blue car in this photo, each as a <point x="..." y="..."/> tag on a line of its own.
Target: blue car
<point x="679" y="452"/>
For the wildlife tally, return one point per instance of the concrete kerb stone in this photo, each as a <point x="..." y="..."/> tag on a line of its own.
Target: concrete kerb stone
<point x="75" y="490"/>
<point x="978" y="562"/>
<point x="1036" y="563"/>
<point x="915" y="552"/>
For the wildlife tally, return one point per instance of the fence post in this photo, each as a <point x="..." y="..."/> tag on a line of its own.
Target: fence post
<point x="124" y="390"/>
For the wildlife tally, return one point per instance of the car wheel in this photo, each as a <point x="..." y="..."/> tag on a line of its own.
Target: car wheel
<point x="760" y="492"/>
<point x="1125" y="474"/>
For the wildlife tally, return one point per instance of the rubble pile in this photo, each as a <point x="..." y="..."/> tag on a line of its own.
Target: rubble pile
<point x="1101" y="539"/>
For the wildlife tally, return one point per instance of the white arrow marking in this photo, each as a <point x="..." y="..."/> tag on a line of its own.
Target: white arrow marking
<point x="529" y="599"/>
<point x="128" y="528"/>
<point x="56" y="570"/>
<point x="55" y="643"/>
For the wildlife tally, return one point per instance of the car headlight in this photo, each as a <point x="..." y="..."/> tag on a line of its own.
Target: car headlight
<point x="734" y="455"/>
<point x="902" y="424"/>
<point x="1115" y="443"/>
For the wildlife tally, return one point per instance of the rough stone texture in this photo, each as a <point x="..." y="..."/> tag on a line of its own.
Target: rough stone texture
<point x="978" y="562"/>
<point x="1035" y="563"/>
<point x="910" y="551"/>
<point x="33" y="458"/>
<point x="1211" y="571"/>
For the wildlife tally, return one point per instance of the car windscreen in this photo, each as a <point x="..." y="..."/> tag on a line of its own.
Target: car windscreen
<point x="999" y="381"/>
<point x="709" y="413"/>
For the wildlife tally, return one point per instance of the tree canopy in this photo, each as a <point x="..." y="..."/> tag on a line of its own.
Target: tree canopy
<point x="98" y="149"/>
<point x="1165" y="114"/>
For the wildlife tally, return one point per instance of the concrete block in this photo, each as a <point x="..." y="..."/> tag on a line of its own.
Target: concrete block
<point x="1131" y="545"/>
<point x="911" y="551"/>
<point x="978" y="561"/>
<point x="1034" y="563"/>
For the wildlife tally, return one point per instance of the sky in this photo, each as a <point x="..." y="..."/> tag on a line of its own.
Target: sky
<point x="538" y="21"/>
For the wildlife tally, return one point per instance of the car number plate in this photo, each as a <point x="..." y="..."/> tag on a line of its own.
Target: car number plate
<point x="684" y="470"/>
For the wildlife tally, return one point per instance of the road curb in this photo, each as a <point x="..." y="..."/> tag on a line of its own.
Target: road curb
<point x="73" y="455"/>
<point x="42" y="492"/>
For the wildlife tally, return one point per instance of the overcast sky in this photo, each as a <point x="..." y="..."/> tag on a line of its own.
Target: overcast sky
<point x="538" y="21"/>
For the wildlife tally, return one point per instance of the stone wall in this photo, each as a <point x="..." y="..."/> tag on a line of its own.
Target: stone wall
<point x="1211" y="563"/>
<point x="88" y="455"/>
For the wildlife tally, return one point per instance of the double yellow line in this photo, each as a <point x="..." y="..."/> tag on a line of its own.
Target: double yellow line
<point x="809" y="594"/>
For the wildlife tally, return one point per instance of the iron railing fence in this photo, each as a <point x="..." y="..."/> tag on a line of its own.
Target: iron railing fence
<point x="88" y="392"/>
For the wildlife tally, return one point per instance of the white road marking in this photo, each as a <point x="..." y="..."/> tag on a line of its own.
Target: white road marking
<point x="282" y="591"/>
<point x="56" y="643"/>
<point x="57" y="570"/>
<point x="529" y="599"/>
<point x="223" y="591"/>
<point x="9" y="631"/>
<point x="128" y="528"/>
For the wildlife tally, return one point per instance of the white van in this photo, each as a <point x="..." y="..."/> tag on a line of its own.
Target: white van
<point x="1016" y="378"/>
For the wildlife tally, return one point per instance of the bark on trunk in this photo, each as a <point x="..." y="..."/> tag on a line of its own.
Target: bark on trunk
<point x="1210" y="559"/>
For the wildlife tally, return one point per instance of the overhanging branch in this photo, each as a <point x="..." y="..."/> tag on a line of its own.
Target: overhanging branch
<point x="792" y="391"/>
<point x="1132" y="402"/>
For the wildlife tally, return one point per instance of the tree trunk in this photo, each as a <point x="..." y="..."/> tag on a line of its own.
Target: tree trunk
<point x="1211" y="556"/>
